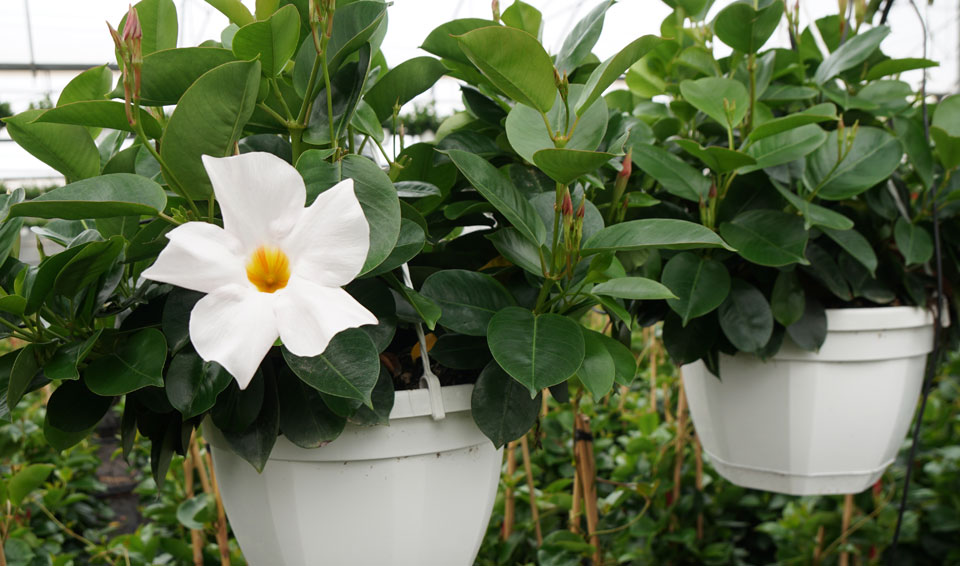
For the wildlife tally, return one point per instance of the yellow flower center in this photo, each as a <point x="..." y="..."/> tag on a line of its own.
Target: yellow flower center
<point x="268" y="269"/>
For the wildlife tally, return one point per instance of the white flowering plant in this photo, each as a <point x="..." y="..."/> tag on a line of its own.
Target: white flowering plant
<point x="228" y="246"/>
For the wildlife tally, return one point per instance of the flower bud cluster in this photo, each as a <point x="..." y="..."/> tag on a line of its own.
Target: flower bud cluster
<point x="130" y="54"/>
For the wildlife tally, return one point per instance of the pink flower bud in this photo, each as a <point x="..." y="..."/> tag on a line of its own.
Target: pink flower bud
<point x="567" y="207"/>
<point x="627" y="167"/>
<point x="131" y="28"/>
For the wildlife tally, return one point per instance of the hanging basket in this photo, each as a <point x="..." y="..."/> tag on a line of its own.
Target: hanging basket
<point x="416" y="492"/>
<point x="806" y="423"/>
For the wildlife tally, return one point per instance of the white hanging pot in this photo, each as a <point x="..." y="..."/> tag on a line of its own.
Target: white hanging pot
<point x="824" y="422"/>
<point x="418" y="492"/>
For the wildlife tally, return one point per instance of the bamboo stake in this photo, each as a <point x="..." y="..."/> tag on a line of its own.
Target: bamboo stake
<point x="681" y="441"/>
<point x="575" y="510"/>
<point x="818" y="551"/>
<point x="588" y="474"/>
<point x="653" y="369"/>
<point x="845" y="526"/>
<point x="525" y="448"/>
<point x="222" y="541"/>
<point x="196" y="535"/>
<point x="698" y="455"/>
<point x="666" y="403"/>
<point x="510" y="503"/>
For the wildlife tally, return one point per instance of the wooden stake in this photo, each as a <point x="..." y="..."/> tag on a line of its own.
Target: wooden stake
<point x="577" y="493"/>
<point x="196" y="535"/>
<point x="681" y="441"/>
<point x="845" y="526"/>
<point x="510" y="503"/>
<point x="818" y="551"/>
<point x="698" y="455"/>
<point x="525" y="448"/>
<point x="667" y="416"/>
<point x="587" y="472"/>
<point x="222" y="541"/>
<point x="653" y="368"/>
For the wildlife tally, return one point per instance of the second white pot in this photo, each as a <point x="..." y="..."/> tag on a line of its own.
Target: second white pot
<point x="807" y="423"/>
<point x="418" y="492"/>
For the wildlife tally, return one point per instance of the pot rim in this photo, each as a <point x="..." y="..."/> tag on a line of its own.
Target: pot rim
<point x="414" y="403"/>
<point x="877" y="318"/>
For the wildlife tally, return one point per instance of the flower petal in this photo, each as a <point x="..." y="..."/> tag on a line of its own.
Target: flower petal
<point x="330" y="242"/>
<point x="199" y="256"/>
<point x="234" y="326"/>
<point x="261" y="196"/>
<point x="309" y="315"/>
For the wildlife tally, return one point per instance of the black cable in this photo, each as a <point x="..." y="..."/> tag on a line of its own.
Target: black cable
<point x="934" y="359"/>
<point x="886" y="12"/>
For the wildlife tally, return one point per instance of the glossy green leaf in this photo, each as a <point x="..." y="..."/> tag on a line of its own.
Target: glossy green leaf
<point x="767" y="237"/>
<point x="460" y="352"/>
<point x="442" y="41"/>
<point x="83" y="269"/>
<point x="167" y="74"/>
<point x="92" y="84"/>
<point x="611" y="70"/>
<point x="158" y="22"/>
<point x="636" y="288"/>
<point x="787" y="301"/>
<point x="717" y="158"/>
<point x="700" y="285"/>
<point x="305" y="419"/>
<point x="714" y="95"/>
<point x="273" y="41"/>
<point x="854" y="51"/>
<point x="810" y="331"/>
<point x="196" y="512"/>
<point x="653" y="233"/>
<point x="875" y="154"/>
<point x="192" y="385"/>
<point x="919" y="152"/>
<point x="100" y="114"/>
<point x="137" y="361"/>
<point x="383" y="398"/>
<point x="24" y="369"/>
<point x="581" y="39"/>
<point x="501" y="193"/>
<point x="427" y="310"/>
<point x="675" y="175"/>
<point x="209" y="120"/>
<point x="914" y="242"/>
<point x="117" y="194"/>
<point x="824" y="267"/>
<point x="523" y="16"/>
<point x="814" y="214"/>
<point x="745" y="29"/>
<point x="897" y="66"/>
<point x="67" y="148"/>
<point x="410" y="242"/>
<point x="234" y="10"/>
<point x="745" y="317"/>
<point x="515" y="62"/>
<point x="346" y="88"/>
<point x="856" y="245"/>
<point x="688" y="343"/>
<point x="467" y="299"/>
<point x="597" y="372"/>
<point x="349" y="367"/>
<point x="945" y="130"/>
<point x="255" y="442"/>
<point x="785" y="147"/>
<point x="72" y="408"/>
<point x="528" y="133"/>
<point x="27" y="480"/>
<point x="537" y="350"/>
<point x="402" y="83"/>
<point x="567" y="165"/>
<point x="518" y="250"/>
<point x="501" y="406"/>
<point x="825" y="112"/>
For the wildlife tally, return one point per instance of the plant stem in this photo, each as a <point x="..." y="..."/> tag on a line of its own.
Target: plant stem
<point x="544" y="293"/>
<point x="167" y="174"/>
<point x="273" y="114"/>
<point x="326" y="83"/>
<point x="169" y="219"/>
<point x="279" y="95"/>
<point x="752" y="71"/>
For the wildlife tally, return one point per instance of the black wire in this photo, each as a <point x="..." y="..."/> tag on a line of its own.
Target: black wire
<point x="934" y="359"/>
<point x="886" y="12"/>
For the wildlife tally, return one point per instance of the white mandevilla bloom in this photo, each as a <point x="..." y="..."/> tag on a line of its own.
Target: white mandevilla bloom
<point x="274" y="269"/>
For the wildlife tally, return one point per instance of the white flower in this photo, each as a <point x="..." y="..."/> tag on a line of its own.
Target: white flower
<point x="274" y="269"/>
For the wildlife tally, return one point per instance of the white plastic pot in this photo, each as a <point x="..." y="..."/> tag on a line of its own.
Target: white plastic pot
<point x="807" y="423"/>
<point x="418" y="492"/>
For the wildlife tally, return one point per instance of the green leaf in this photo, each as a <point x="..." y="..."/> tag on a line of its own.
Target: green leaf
<point x="675" y="175"/>
<point x="636" y="288"/>
<point x="523" y="16"/>
<point x="776" y="93"/>
<point x="745" y="29"/>
<point x="192" y="385"/>
<point x="116" y="194"/>
<point x="166" y="75"/>
<point x="348" y="368"/>
<point x="273" y="41"/>
<point x="460" y="352"/>
<point x="745" y="317"/>
<point x="380" y="205"/>
<point x="409" y="243"/>
<point x="611" y="70"/>
<point x="914" y="242"/>
<point x="856" y="245"/>
<point x="501" y="407"/>
<point x="719" y="159"/>
<point x="234" y="10"/>
<point x="515" y="62"/>
<point x="517" y="250"/>
<point x="27" y="480"/>
<point x="537" y="350"/>
<point x="712" y="95"/>
<point x="175" y="320"/>
<point x="787" y="301"/>
<point x="854" y="51"/>
<point x="305" y="419"/>
<point x="68" y="149"/>
<point x="354" y="24"/>
<point x="467" y="299"/>
<point x="945" y="130"/>
<point x="501" y="193"/>
<point x="72" y="408"/>
<point x="566" y="165"/>
<point x="92" y="84"/>
<point x="83" y="269"/>
<point x="814" y="214"/>
<point x="346" y="87"/>
<point x="196" y="512"/>
<point x="209" y="120"/>
<point x="13" y="304"/>
<point x="426" y="309"/>
<point x="581" y="39"/>
<point x="402" y="83"/>
<point x="442" y="41"/>
<point x="785" y="147"/>
<point x="527" y="132"/>
<point x="873" y="158"/>
<point x="810" y="331"/>
<point x="825" y="112"/>
<point x="134" y="363"/>
<point x="897" y="66"/>
<point x="158" y="21"/>
<point x="100" y="114"/>
<point x="383" y="398"/>
<point x="700" y="285"/>
<point x="663" y="233"/>
<point x="767" y="237"/>
<point x="25" y="368"/>
<point x="63" y="364"/>
<point x="597" y="372"/>
<point x="625" y="364"/>
<point x="256" y="441"/>
<point x="910" y="133"/>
